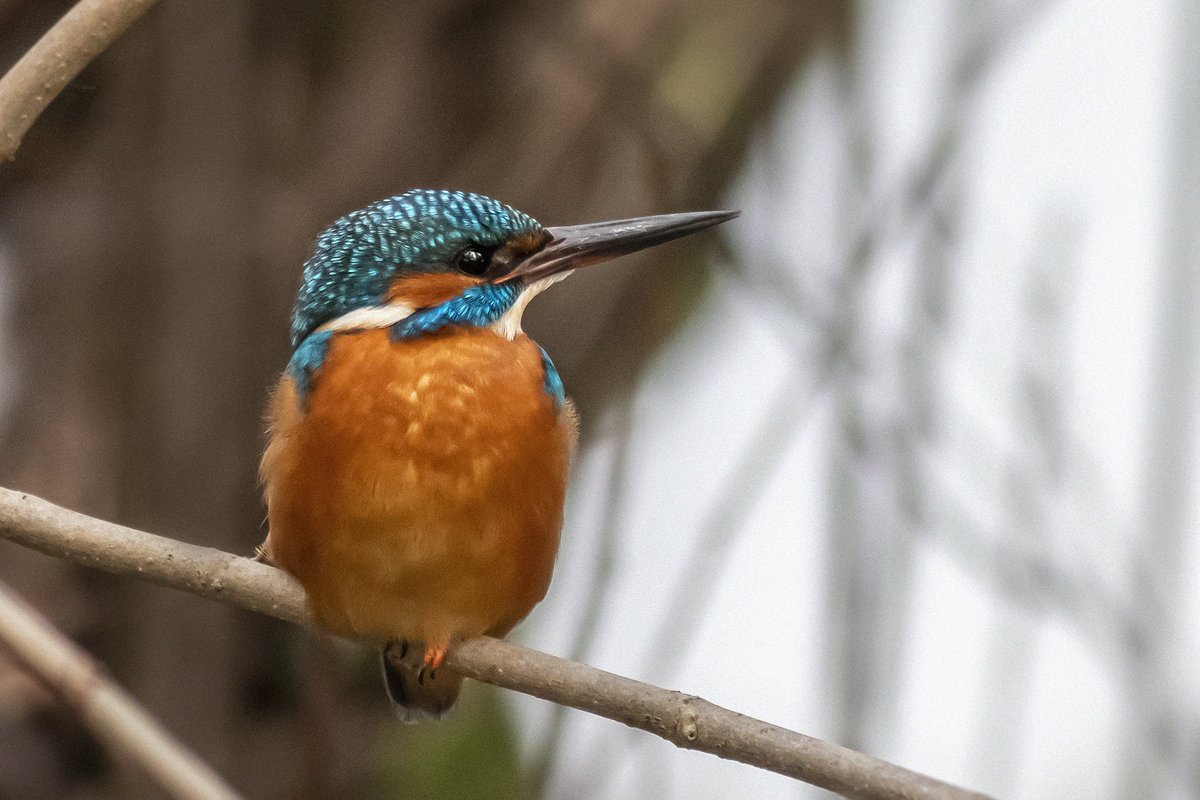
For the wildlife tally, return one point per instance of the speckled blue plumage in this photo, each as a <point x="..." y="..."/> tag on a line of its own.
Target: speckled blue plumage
<point x="307" y="360"/>
<point x="479" y="305"/>
<point x="554" y="385"/>
<point x="357" y="257"/>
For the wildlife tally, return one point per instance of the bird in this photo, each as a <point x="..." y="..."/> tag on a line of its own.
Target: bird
<point x="418" y="441"/>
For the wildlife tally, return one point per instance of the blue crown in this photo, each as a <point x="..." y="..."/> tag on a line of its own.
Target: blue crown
<point x="358" y="256"/>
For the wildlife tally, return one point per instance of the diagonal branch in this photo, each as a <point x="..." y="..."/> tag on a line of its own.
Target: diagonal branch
<point x="106" y="708"/>
<point x="685" y="721"/>
<point x="34" y="81"/>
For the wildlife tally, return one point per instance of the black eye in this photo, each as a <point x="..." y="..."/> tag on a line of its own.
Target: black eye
<point x="473" y="260"/>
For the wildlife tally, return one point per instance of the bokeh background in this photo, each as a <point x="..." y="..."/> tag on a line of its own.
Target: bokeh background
<point x="903" y="458"/>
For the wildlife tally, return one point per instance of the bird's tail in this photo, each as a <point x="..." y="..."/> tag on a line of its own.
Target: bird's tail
<point x="419" y="692"/>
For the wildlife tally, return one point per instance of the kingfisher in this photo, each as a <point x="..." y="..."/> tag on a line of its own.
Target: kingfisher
<point x="418" y="440"/>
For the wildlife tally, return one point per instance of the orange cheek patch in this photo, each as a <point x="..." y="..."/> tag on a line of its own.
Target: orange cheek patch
<point x="427" y="289"/>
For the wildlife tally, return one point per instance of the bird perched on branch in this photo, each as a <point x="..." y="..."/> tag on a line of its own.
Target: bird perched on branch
<point x="418" y="440"/>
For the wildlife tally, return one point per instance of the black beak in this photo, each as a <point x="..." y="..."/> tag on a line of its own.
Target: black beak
<point x="574" y="246"/>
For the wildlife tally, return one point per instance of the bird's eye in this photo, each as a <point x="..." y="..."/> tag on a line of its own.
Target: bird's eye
<point x="473" y="260"/>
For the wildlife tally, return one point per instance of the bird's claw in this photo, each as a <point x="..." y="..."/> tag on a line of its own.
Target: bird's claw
<point x="434" y="657"/>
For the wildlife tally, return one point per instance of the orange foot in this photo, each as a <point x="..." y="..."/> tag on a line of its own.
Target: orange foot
<point x="435" y="655"/>
<point x="425" y="659"/>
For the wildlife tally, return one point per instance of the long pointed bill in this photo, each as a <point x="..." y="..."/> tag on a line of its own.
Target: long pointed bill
<point x="574" y="246"/>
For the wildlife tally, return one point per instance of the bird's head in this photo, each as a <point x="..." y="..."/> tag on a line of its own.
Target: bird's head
<point x="427" y="259"/>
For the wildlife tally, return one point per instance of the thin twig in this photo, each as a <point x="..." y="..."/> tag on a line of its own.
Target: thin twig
<point x="685" y="721"/>
<point x="52" y="63"/>
<point x="105" y="707"/>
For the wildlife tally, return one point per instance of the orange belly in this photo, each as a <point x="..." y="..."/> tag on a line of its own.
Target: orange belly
<point x="419" y="496"/>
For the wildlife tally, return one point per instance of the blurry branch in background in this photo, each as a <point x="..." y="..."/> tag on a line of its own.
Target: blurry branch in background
<point x="104" y="707"/>
<point x="907" y="202"/>
<point x="875" y="512"/>
<point x="1034" y="485"/>
<point x="685" y="721"/>
<point x="775" y="59"/>
<point x="619" y="86"/>
<point x="1162" y="735"/>
<point x="595" y="597"/>
<point x="746" y="482"/>
<point x="687" y="602"/>
<point x="1030" y="576"/>
<point x="927" y="204"/>
<point x="34" y="81"/>
<point x="915" y="204"/>
<point x="917" y="194"/>
<point x="910" y="204"/>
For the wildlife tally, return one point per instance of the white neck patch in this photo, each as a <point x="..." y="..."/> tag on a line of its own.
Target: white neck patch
<point x="509" y="325"/>
<point x="369" y="317"/>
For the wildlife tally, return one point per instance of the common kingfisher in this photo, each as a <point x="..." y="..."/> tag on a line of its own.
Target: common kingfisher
<point x="419" y="441"/>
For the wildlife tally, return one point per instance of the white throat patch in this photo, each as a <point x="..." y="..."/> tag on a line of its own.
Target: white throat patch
<point x="509" y="325"/>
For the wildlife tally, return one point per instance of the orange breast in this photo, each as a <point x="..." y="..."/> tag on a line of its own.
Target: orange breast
<point x="420" y="494"/>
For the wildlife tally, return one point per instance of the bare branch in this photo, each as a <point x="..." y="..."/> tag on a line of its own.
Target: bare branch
<point x="60" y="55"/>
<point x="106" y="708"/>
<point x="215" y="574"/>
<point x="685" y="721"/>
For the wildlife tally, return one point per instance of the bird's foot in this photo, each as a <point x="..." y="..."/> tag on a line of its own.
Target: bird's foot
<point x="424" y="660"/>
<point x="414" y="681"/>
<point x="435" y="656"/>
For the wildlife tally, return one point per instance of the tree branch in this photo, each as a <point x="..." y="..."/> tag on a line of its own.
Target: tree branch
<point x="60" y="55"/>
<point x="105" y="707"/>
<point x="685" y="721"/>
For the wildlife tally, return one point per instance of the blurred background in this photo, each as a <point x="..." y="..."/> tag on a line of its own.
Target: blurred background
<point x="902" y="458"/>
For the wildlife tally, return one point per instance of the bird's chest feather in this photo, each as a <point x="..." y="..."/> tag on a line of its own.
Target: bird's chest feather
<point x="419" y="484"/>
